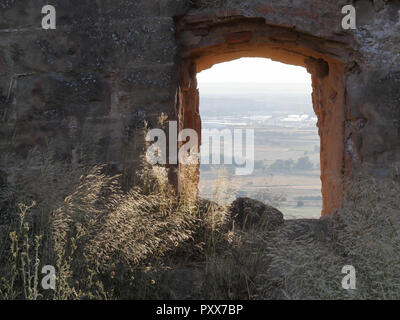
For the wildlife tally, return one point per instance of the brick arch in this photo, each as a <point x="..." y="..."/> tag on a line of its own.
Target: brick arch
<point x="207" y="40"/>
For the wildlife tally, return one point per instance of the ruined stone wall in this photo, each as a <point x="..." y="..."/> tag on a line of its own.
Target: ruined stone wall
<point x="89" y="87"/>
<point x="113" y="67"/>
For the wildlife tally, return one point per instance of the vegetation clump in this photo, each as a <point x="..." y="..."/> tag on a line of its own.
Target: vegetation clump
<point x="150" y="243"/>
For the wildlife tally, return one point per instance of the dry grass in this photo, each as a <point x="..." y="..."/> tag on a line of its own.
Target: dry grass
<point x="100" y="238"/>
<point x="304" y="263"/>
<point x="149" y="243"/>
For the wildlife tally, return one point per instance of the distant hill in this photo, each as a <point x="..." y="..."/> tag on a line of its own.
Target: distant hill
<point x="255" y="99"/>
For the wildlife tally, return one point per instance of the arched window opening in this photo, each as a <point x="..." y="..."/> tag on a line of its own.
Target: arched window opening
<point x="275" y="101"/>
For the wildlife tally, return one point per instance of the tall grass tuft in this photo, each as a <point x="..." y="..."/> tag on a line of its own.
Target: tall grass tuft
<point x="150" y="242"/>
<point x="306" y="263"/>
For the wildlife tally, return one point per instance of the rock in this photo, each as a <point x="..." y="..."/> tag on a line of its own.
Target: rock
<point x="248" y="213"/>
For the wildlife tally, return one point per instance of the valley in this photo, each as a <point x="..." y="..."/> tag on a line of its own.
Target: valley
<point x="287" y="152"/>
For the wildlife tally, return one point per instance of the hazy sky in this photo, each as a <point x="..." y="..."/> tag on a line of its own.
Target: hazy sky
<point x="254" y="70"/>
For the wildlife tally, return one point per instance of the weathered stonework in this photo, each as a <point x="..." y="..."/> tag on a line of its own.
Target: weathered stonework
<point x="114" y="67"/>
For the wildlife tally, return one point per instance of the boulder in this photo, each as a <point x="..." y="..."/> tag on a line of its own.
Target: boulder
<point x="249" y="213"/>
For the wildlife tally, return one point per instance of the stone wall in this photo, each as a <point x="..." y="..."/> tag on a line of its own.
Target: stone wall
<point x="90" y="86"/>
<point x="115" y="67"/>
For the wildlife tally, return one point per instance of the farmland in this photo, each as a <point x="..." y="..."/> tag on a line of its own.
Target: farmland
<point x="287" y="168"/>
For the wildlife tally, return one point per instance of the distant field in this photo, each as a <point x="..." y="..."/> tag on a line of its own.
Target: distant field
<point x="285" y="130"/>
<point x="287" y="189"/>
